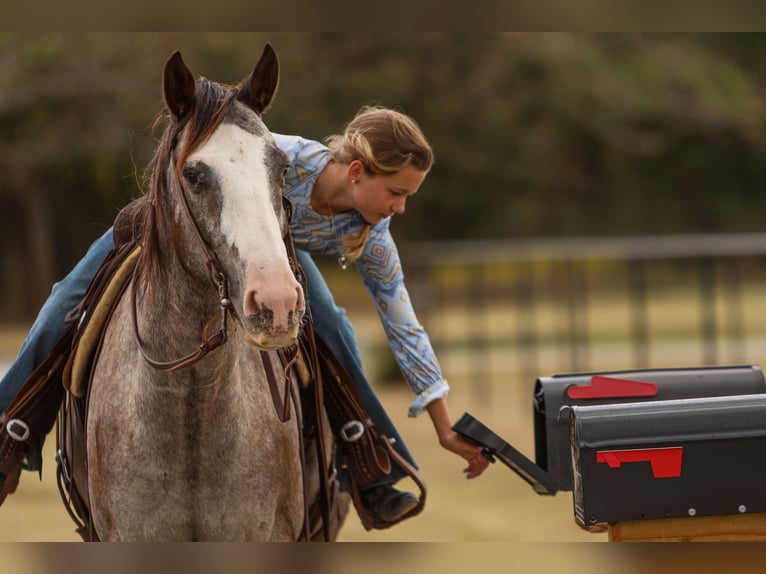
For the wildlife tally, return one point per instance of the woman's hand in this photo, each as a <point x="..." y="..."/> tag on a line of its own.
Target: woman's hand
<point x="455" y="442"/>
<point x="477" y="462"/>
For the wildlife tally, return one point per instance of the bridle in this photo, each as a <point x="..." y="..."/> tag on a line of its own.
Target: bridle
<point x="288" y="356"/>
<point x="219" y="280"/>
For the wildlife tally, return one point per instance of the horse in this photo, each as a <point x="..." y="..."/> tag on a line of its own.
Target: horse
<point x="183" y="445"/>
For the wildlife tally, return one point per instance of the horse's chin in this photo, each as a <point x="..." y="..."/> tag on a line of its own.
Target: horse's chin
<point x="259" y="331"/>
<point x="271" y="342"/>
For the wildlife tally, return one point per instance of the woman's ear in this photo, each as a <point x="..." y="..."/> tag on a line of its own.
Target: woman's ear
<point x="355" y="170"/>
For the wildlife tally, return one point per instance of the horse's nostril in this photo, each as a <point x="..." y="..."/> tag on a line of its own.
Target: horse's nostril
<point x="251" y="306"/>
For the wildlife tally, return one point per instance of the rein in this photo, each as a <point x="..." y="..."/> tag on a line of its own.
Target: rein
<point x="218" y="278"/>
<point x="220" y="282"/>
<point x="208" y="343"/>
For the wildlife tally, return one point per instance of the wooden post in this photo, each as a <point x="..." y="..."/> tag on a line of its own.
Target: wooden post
<point x="727" y="528"/>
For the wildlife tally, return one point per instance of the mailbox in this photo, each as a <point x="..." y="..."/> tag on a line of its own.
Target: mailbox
<point x="668" y="459"/>
<point x="555" y="394"/>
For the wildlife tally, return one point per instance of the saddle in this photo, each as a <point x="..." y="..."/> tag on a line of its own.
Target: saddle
<point x="57" y="393"/>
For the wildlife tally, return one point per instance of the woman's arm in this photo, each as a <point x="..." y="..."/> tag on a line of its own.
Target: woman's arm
<point x="381" y="271"/>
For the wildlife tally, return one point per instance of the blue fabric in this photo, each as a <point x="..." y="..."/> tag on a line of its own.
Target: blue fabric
<point x="333" y="326"/>
<point x="49" y="324"/>
<point x="379" y="266"/>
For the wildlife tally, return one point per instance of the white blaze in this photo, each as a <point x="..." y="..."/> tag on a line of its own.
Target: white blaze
<point x="249" y="224"/>
<point x="247" y="213"/>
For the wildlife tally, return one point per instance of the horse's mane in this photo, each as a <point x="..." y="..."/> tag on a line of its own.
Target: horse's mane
<point x="179" y="139"/>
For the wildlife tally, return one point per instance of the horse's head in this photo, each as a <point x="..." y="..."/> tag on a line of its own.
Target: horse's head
<point x="226" y="179"/>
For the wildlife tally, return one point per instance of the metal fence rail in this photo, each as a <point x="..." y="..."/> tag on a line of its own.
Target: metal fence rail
<point x="717" y="278"/>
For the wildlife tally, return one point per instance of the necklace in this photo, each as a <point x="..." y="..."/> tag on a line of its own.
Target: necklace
<point x="343" y="260"/>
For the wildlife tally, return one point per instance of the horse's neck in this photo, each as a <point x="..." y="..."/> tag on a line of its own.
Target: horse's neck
<point x="173" y="307"/>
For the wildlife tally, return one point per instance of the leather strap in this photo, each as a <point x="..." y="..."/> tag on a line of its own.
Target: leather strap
<point x="319" y="412"/>
<point x="282" y="407"/>
<point x="9" y="482"/>
<point x="369" y="455"/>
<point x="366" y="519"/>
<point x="217" y="276"/>
<point x="207" y="344"/>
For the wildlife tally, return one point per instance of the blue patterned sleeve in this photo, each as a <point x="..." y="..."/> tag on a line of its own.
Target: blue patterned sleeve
<point x="381" y="271"/>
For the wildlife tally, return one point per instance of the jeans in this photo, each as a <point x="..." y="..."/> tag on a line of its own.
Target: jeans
<point x="330" y="323"/>
<point x="49" y="325"/>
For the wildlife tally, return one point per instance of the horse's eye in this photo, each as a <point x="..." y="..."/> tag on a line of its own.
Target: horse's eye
<point x="193" y="175"/>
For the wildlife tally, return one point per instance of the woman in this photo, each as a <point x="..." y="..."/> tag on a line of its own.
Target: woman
<point x="343" y="196"/>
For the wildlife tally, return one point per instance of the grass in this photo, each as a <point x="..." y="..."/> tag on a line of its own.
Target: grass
<point x="496" y="507"/>
<point x="493" y="380"/>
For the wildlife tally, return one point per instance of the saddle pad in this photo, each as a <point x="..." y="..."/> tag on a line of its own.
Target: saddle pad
<point x="76" y="371"/>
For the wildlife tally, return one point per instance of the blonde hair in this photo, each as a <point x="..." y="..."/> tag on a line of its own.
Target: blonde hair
<point x="385" y="141"/>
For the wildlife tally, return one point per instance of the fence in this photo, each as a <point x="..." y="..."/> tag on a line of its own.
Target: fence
<point x="504" y="311"/>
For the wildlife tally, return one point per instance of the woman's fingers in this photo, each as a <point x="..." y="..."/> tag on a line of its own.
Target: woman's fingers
<point x="477" y="463"/>
<point x="468" y="450"/>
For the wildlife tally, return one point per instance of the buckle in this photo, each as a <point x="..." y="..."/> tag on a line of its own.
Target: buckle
<point x="17" y="429"/>
<point x="352" y="431"/>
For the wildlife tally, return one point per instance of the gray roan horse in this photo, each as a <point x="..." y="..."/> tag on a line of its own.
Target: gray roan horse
<point x="198" y="452"/>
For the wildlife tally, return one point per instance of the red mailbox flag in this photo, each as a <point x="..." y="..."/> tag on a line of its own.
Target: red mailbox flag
<point x="602" y="387"/>
<point x="666" y="462"/>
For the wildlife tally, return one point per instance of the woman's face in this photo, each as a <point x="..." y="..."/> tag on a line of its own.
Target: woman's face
<point x="380" y="196"/>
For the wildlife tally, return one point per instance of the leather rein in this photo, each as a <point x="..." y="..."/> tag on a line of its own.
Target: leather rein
<point x="218" y="278"/>
<point x="208" y="344"/>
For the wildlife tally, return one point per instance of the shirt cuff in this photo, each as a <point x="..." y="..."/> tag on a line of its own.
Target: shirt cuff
<point x="437" y="391"/>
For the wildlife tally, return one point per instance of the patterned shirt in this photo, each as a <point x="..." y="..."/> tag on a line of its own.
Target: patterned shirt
<point x="379" y="266"/>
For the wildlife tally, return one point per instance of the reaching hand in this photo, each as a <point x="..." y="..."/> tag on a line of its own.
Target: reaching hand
<point x="455" y="443"/>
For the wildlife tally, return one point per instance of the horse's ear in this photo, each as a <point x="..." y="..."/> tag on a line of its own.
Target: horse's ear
<point x="258" y="90"/>
<point x="178" y="86"/>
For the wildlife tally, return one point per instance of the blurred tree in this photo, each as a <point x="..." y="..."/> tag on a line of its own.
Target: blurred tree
<point x="534" y="133"/>
<point x="64" y="142"/>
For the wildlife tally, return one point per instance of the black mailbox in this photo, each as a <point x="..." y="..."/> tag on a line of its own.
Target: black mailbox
<point x="668" y="459"/>
<point x="554" y="394"/>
